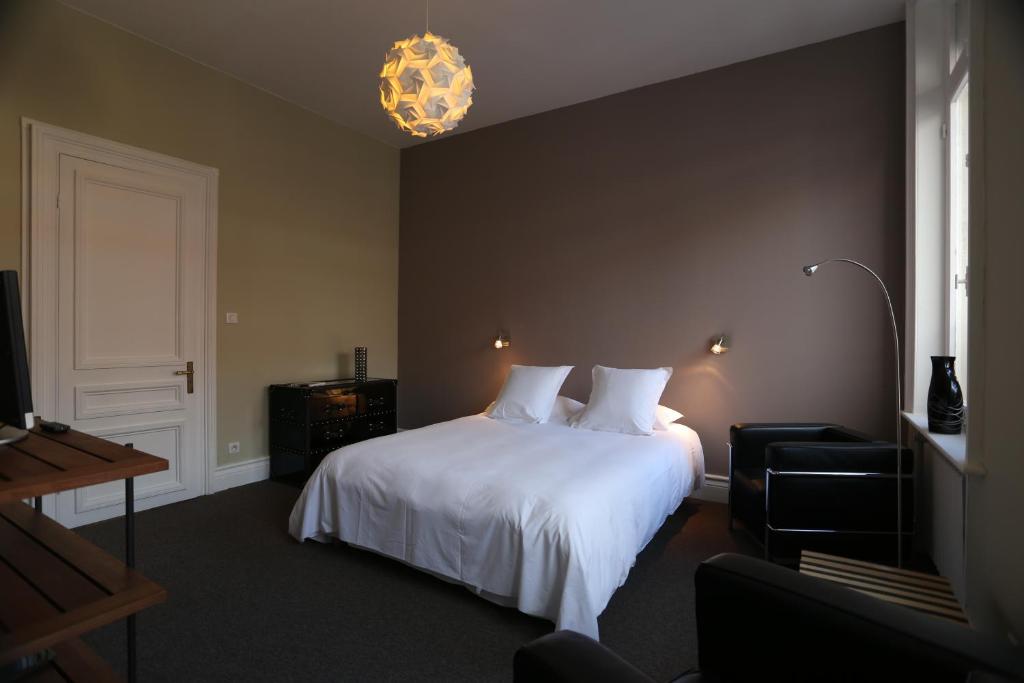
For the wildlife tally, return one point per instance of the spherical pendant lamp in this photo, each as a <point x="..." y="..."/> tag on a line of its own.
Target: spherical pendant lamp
<point x="426" y="87"/>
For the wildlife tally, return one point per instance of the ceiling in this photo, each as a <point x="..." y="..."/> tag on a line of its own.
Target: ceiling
<point x="528" y="56"/>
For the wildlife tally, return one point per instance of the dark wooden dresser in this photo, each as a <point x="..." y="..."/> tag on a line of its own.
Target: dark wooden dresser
<point x="309" y="420"/>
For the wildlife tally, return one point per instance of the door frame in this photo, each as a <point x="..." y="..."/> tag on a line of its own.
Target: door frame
<point x="42" y="145"/>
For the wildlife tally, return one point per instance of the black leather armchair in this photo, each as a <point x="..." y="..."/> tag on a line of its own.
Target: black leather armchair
<point x="759" y="621"/>
<point x="819" y="486"/>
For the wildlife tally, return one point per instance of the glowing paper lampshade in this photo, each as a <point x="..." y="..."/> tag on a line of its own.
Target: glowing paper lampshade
<point x="426" y="87"/>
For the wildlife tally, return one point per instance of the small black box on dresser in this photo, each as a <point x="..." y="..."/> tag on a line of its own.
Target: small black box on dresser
<point x="309" y="420"/>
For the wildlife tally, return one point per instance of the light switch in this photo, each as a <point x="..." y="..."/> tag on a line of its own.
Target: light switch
<point x="231" y="318"/>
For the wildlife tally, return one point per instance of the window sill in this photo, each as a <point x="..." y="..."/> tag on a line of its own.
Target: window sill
<point x="952" y="447"/>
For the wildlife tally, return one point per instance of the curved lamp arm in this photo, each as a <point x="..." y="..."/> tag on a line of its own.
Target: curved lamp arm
<point x="809" y="271"/>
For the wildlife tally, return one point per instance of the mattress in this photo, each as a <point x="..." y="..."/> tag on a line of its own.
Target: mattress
<point x="544" y="517"/>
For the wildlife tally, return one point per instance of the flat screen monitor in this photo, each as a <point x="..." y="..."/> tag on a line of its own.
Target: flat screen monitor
<point x="15" y="392"/>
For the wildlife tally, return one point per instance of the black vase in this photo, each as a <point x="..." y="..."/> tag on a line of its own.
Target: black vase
<point x="945" y="400"/>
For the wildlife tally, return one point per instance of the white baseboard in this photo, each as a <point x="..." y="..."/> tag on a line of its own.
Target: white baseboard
<point x="240" y="473"/>
<point x="715" y="489"/>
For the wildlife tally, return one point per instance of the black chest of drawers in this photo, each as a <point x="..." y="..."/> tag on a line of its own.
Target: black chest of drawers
<point x="308" y="421"/>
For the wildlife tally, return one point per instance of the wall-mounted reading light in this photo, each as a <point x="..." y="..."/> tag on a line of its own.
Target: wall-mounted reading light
<point x="719" y="344"/>
<point x="503" y="340"/>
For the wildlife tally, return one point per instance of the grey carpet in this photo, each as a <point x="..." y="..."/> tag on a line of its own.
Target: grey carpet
<point x="248" y="603"/>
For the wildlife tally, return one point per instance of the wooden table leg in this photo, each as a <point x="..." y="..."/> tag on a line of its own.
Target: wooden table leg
<point x="129" y="553"/>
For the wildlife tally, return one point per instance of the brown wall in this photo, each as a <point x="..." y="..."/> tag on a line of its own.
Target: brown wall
<point x="628" y="230"/>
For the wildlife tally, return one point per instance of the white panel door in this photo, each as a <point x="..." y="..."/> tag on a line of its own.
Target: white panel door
<point x="131" y="303"/>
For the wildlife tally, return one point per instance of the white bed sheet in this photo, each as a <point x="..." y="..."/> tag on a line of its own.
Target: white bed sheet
<point x="541" y="516"/>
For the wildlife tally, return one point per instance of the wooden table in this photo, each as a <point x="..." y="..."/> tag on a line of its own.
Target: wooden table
<point x="58" y="586"/>
<point x="916" y="590"/>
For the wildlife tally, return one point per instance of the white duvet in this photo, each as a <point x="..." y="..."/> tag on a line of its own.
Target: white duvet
<point x="544" y="517"/>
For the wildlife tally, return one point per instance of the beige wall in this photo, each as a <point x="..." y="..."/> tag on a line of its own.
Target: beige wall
<point x="308" y="243"/>
<point x="995" y="502"/>
<point x="628" y="230"/>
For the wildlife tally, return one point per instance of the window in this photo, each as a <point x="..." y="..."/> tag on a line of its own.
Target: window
<point x="958" y="160"/>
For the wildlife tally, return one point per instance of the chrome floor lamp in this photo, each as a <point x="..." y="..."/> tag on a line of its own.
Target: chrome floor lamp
<point x="809" y="271"/>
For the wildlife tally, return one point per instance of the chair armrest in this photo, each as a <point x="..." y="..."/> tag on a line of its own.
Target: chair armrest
<point x="846" y="434"/>
<point x="749" y="439"/>
<point x="836" y="457"/>
<point x="567" y="657"/>
<point x="755" y="617"/>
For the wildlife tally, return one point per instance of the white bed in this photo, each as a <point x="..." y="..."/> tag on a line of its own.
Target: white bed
<point x="543" y="517"/>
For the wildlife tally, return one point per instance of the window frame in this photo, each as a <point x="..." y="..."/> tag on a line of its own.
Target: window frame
<point x="958" y="76"/>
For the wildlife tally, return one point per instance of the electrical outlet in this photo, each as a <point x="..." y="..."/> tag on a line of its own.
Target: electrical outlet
<point x="234" y="447"/>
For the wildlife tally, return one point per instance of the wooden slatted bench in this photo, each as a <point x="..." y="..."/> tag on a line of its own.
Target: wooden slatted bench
<point x="916" y="590"/>
<point x="48" y="463"/>
<point x="56" y="585"/>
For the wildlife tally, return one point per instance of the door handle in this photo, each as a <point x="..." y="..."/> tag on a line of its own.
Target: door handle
<point x="189" y="371"/>
<point x="957" y="281"/>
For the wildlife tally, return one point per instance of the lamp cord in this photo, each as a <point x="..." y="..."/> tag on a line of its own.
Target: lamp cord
<point x="899" y="407"/>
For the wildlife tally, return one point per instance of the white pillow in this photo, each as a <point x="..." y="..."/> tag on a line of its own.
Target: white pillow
<point x="664" y="417"/>
<point x="529" y="393"/>
<point x="565" y="410"/>
<point x="623" y="400"/>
